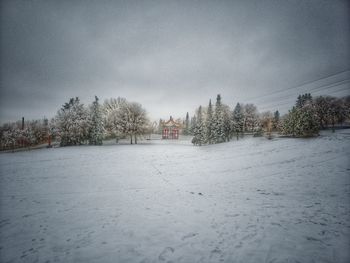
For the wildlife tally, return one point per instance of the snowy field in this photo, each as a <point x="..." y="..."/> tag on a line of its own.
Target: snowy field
<point x="253" y="200"/>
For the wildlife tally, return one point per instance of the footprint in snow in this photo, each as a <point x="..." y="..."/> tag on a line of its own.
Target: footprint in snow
<point x="165" y="252"/>
<point x="189" y="236"/>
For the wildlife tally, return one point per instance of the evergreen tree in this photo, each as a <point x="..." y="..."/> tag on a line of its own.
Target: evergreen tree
<point x="96" y="131"/>
<point x="187" y="125"/>
<point x="209" y="124"/>
<point x="251" y="121"/>
<point x="200" y="130"/>
<point x="301" y="122"/>
<point x="227" y="122"/>
<point x="276" y="120"/>
<point x="238" y="121"/>
<point x="303" y="100"/>
<point x="218" y="122"/>
<point x="193" y="125"/>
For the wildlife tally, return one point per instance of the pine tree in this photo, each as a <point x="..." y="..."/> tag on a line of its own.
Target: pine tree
<point x="303" y="100"/>
<point x="289" y="122"/>
<point x="209" y="124"/>
<point x="238" y="121"/>
<point x="193" y="125"/>
<point x="199" y="131"/>
<point x="251" y="121"/>
<point x="227" y="123"/>
<point x="301" y="122"/>
<point x="218" y="122"/>
<point x="96" y="131"/>
<point x="276" y="120"/>
<point x="187" y="125"/>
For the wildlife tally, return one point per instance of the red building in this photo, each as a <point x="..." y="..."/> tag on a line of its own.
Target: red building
<point x="170" y="129"/>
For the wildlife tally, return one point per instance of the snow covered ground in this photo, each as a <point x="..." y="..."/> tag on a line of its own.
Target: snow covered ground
<point x="253" y="200"/>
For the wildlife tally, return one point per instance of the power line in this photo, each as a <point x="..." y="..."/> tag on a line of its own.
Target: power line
<point x="316" y="89"/>
<point x="322" y="88"/>
<point x="280" y="103"/>
<point x="338" y="83"/>
<point x="298" y="86"/>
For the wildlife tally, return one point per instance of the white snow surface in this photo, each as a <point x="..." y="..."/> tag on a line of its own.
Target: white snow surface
<point x="252" y="200"/>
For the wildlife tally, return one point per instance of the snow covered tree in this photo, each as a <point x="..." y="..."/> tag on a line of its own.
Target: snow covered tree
<point x="227" y="122"/>
<point x="96" y="129"/>
<point x="276" y="120"/>
<point x="238" y="121"/>
<point x="344" y="109"/>
<point x="160" y="126"/>
<point x="251" y="118"/>
<point x="10" y="137"/>
<point x="209" y="123"/>
<point x="338" y="112"/>
<point x="303" y="100"/>
<point x="131" y="120"/>
<point x="200" y="129"/>
<point x="267" y="122"/>
<point x="73" y="123"/>
<point x="301" y="122"/>
<point x="193" y="124"/>
<point x="14" y="137"/>
<point x="111" y="109"/>
<point x="218" y="130"/>
<point x="322" y="107"/>
<point x="290" y="120"/>
<point x="186" y="130"/>
<point x="138" y="120"/>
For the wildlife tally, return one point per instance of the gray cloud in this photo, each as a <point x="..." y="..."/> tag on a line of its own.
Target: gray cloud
<point x="170" y="56"/>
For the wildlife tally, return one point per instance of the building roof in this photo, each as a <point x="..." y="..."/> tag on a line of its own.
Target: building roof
<point x="171" y="123"/>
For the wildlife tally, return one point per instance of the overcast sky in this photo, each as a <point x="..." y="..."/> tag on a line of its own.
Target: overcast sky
<point x="171" y="56"/>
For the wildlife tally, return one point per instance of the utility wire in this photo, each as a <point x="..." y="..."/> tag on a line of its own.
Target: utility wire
<point x="322" y="88"/>
<point x="314" y="90"/>
<point x="280" y="103"/>
<point x="298" y="86"/>
<point x="283" y="105"/>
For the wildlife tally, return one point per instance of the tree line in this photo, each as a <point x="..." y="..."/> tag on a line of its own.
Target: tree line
<point x="219" y="123"/>
<point x="76" y="124"/>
